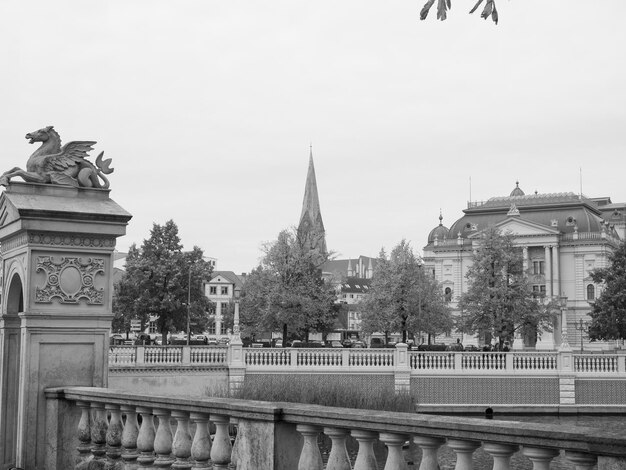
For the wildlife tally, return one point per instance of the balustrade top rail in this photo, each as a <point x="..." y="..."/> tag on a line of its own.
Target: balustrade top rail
<point x="574" y="439"/>
<point x="518" y="362"/>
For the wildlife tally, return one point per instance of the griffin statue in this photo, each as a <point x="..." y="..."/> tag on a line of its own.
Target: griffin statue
<point x="67" y="165"/>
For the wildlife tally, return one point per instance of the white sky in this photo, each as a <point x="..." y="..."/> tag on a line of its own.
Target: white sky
<point x="208" y="108"/>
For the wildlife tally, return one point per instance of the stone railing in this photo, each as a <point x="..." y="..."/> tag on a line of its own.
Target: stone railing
<point x="157" y="356"/>
<point x="121" y="430"/>
<point x="597" y="363"/>
<point x="484" y="361"/>
<point x="518" y="362"/>
<point x="318" y="358"/>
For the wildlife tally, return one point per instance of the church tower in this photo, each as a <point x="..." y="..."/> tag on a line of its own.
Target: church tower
<point x="311" y="233"/>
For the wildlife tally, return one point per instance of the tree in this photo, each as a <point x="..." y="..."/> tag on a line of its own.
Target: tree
<point x="402" y="297"/>
<point x="158" y="280"/>
<point x="499" y="299"/>
<point x="287" y="291"/>
<point x="608" y="314"/>
<point x="489" y="10"/>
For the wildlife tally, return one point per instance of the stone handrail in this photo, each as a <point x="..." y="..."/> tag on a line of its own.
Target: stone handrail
<point x="158" y="356"/>
<point x="596" y="363"/>
<point x="282" y="436"/>
<point x="274" y="359"/>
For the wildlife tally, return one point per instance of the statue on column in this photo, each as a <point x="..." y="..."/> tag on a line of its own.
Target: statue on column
<point x="67" y="165"/>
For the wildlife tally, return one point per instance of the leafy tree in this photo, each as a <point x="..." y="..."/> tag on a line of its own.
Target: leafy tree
<point x="608" y="314"/>
<point x="402" y="297"/>
<point x="500" y="299"/>
<point x="287" y="291"/>
<point x="159" y="278"/>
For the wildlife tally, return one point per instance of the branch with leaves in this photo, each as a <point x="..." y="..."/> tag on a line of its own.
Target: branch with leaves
<point x="489" y="10"/>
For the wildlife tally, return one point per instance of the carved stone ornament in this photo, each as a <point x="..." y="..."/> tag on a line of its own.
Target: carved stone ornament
<point x="70" y="279"/>
<point x="67" y="165"/>
<point x="74" y="240"/>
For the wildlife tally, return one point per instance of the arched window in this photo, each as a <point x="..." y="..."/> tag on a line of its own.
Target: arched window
<point x="591" y="292"/>
<point x="448" y="294"/>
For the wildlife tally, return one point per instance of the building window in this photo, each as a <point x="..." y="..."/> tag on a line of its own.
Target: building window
<point x="591" y="292"/>
<point x="223" y="329"/>
<point x="152" y="328"/>
<point x="448" y="294"/>
<point x="539" y="291"/>
<point x="212" y="290"/>
<point x="538" y="267"/>
<point x="212" y="327"/>
<point x="224" y="308"/>
<point x="224" y="290"/>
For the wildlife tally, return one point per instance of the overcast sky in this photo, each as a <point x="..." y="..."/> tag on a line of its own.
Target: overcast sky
<point x="208" y="109"/>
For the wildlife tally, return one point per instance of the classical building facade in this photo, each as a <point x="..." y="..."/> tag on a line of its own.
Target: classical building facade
<point x="564" y="236"/>
<point x="222" y="289"/>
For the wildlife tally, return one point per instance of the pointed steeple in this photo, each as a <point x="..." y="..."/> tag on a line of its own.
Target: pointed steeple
<point x="311" y="233"/>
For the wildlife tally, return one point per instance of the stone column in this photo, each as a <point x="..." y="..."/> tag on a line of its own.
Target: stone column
<point x="525" y="258"/>
<point x="556" y="274"/>
<point x="57" y="246"/>
<point x="548" y="271"/>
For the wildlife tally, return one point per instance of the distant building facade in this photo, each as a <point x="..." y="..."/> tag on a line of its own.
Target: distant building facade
<point x="222" y="289"/>
<point x="563" y="237"/>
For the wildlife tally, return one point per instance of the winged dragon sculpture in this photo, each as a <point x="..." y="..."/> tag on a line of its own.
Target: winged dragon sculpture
<point x="67" y="165"/>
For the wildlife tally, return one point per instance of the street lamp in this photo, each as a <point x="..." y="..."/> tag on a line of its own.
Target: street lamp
<point x="564" y="343"/>
<point x="236" y="329"/>
<point x="582" y="326"/>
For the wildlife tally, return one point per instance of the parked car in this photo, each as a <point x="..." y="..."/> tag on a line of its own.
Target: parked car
<point x="358" y="344"/>
<point x="377" y="343"/>
<point x="334" y="344"/>
<point x="455" y="347"/>
<point x="471" y="347"/>
<point x="224" y="341"/>
<point x="116" y="340"/>
<point x="277" y="343"/>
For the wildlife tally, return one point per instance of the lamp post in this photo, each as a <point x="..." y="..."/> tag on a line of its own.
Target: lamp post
<point x="236" y="329"/>
<point x="564" y="343"/>
<point x="582" y="326"/>
<point x="189" y="304"/>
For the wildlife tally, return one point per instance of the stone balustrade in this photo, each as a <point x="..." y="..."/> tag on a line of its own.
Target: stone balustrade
<point x="157" y="356"/>
<point x="99" y="428"/>
<point x="518" y="362"/>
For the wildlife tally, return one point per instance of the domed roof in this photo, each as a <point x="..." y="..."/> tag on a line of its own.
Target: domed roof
<point x="440" y="231"/>
<point x="517" y="191"/>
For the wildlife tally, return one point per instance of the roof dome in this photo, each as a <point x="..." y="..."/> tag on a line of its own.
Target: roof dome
<point x="440" y="231"/>
<point x="517" y="191"/>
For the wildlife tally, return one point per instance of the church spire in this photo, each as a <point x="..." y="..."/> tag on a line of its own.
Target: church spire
<point x="311" y="233"/>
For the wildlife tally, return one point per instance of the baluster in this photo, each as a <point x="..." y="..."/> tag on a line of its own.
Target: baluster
<point x="430" y="446"/>
<point x="129" y="437"/>
<point x="310" y="456"/>
<point x="201" y="445"/>
<point x="581" y="460"/>
<point x="338" y="458"/>
<point x="395" y="458"/>
<point x="99" y="434"/>
<point x="163" y="439"/>
<point x="114" y="439"/>
<point x="181" y="446"/>
<point x="365" y="459"/>
<point x="84" y="434"/>
<point x="234" y="455"/>
<point x="145" y="439"/>
<point x="222" y="448"/>
<point x="501" y="454"/>
<point x="540" y="457"/>
<point x="464" y="451"/>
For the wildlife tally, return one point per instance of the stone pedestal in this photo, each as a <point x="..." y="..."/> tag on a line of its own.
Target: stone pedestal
<point x="57" y="244"/>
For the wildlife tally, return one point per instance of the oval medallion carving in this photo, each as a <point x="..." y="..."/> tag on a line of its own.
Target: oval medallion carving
<point x="70" y="280"/>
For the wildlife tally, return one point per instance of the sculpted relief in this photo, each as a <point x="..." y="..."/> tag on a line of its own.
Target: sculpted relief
<point x="70" y="279"/>
<point x="67" y="165"/>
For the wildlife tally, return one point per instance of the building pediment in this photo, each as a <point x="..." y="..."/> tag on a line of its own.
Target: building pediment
<point x="519" y="226"/>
